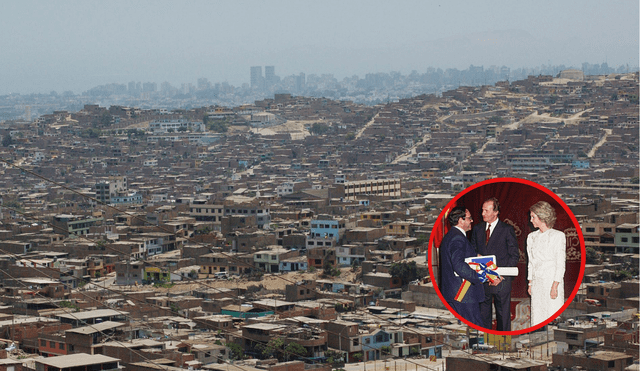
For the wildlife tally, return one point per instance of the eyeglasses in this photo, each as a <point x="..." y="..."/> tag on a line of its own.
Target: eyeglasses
<point x="468" y="217"/>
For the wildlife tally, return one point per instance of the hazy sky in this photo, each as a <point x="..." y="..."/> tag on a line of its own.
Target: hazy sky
<point x="76" y="45"/>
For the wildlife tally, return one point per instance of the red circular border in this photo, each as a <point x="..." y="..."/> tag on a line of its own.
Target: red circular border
<point x="582" y="254"/>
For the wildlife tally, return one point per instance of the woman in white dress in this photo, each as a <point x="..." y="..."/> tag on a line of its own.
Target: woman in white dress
<point x="546" y="248"/>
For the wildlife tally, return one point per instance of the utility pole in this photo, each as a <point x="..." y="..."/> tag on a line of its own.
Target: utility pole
<point x="340" y="342"/>
<point x="547" y="331"/>
<point x="469" y="340"/>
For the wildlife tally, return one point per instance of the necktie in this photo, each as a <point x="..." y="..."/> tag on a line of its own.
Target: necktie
<point x="488" y="234"/>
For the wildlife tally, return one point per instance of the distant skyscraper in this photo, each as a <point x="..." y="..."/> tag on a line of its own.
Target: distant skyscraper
<point x="187" y="88"/>
<point x="269" y="76"/>
<point x="257" y="81"/>
<point x="133" y="88"/>
<point x="300" y="82"/>
<point x="149" y="87"/>
<point x="203" y="83"/>
<point x="504" y="73"/>
<point x="166" y="87"/>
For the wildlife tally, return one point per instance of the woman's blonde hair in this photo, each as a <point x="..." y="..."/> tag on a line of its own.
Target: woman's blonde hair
<point x="545" y="212"/>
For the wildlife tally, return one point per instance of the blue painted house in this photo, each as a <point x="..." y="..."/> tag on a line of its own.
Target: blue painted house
<point x="372" y="342"/>
<point x="325" y="228"/>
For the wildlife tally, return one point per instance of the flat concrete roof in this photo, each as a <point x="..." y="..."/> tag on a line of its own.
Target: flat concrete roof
<point x="98" y="327"/>
<point x="76" y="360"/>
<point x="93" y="314"/>
<point x="265" y="326"/>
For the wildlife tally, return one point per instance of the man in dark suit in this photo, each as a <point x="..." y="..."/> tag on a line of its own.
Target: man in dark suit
<point x="495" y="237"/>
<point x="455" y="247"/>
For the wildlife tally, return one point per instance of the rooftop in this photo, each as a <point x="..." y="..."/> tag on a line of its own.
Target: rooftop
<point x="76" y="360"/>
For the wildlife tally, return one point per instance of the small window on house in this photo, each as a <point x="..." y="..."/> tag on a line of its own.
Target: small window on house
<point x="43" y="343"/>
<point x="301" y="292"/>
<point x="61" y="346"/>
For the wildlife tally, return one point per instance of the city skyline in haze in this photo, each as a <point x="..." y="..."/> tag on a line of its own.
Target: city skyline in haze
<point x="76" y="45"/>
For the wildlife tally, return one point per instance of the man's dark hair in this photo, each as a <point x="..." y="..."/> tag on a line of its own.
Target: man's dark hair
<point x="496" y="204"/>
<point x="455" y="214"/>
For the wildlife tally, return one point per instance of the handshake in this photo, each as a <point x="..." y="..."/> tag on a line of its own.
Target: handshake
<point x="487" y="272"/>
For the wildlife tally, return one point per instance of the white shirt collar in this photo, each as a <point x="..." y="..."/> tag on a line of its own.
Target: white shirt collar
<point x="461" y="230"/>
<point x="492" y="225"/>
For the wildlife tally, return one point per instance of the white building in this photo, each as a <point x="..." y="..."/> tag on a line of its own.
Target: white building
<point x="378" y="187"/>
<point x="166" y="126"/>
<point x="150" y="162"/>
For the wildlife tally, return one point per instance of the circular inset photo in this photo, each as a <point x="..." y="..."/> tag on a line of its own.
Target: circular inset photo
<point x="506" y="256"/>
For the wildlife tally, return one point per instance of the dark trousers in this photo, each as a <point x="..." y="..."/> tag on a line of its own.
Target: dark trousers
<point x="500" y="297"/>
<point x="468" y="311"/>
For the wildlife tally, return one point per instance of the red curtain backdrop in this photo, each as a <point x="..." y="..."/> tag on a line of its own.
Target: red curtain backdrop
<point x="515" y="200"/>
